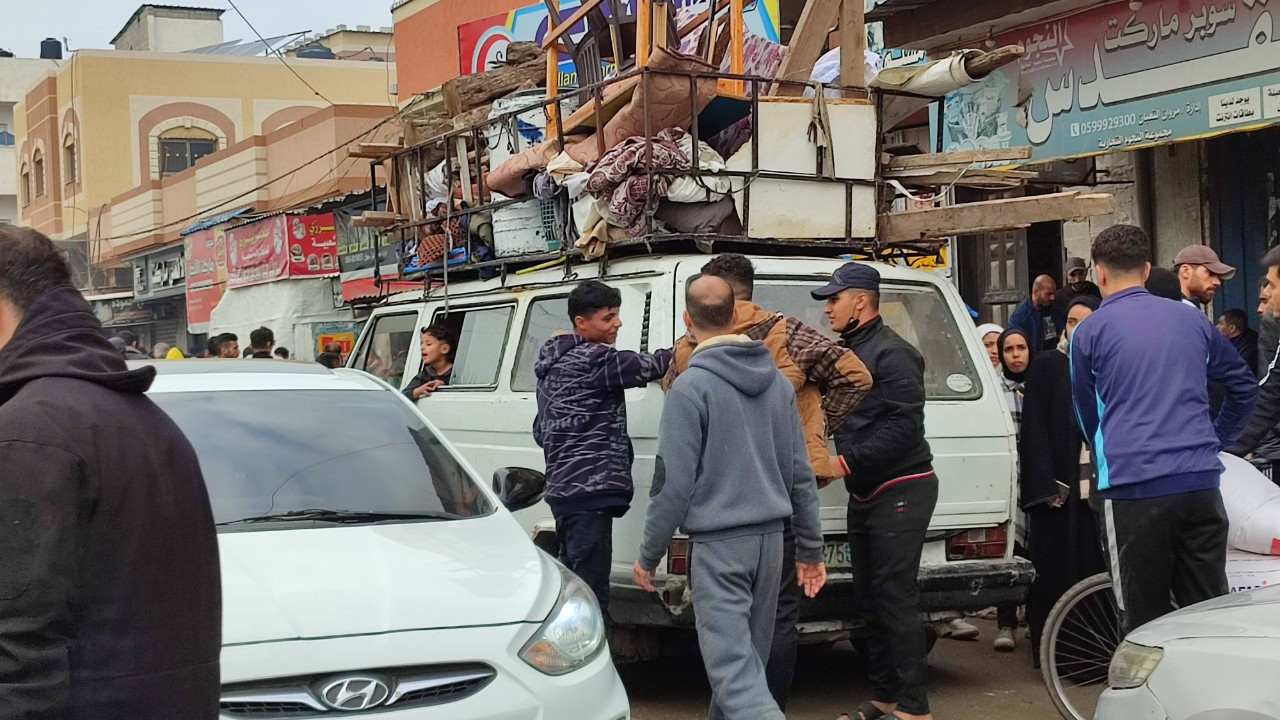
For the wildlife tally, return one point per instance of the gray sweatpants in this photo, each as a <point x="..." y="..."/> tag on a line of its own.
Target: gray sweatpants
<point x="735" y="596"/>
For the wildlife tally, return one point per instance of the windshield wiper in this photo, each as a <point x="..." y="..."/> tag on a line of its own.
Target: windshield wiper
<point x="343" y="516"/>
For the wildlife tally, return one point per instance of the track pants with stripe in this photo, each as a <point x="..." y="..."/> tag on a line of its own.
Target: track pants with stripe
<point x="1165" y="550"/>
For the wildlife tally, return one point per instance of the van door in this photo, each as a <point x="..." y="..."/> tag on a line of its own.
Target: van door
<point x="966" y="422"/>
<point x="388" y="347"/>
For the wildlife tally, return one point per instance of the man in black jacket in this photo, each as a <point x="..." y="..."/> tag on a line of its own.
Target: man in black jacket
<point x="110" y="599"/>
<point x="888" y="470"/>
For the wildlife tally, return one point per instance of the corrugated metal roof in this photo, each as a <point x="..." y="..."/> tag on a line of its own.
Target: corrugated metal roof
<point x="214" y="220"/>
<point x="885" y="8"/>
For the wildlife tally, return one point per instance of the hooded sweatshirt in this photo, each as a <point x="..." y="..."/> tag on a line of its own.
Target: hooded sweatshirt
<point x="110" y="602"/>
<point x="582" y="421"/>
<point x="829" y="380"/>
<point x="717" y="477"/>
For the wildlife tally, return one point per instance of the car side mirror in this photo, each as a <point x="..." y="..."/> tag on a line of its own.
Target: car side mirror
<point x="519" y="488"/>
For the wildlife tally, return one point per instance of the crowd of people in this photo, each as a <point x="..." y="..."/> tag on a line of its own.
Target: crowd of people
<point x="1121" y="394"/>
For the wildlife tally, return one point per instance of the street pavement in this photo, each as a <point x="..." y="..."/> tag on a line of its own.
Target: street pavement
<point x="968" y="681"/>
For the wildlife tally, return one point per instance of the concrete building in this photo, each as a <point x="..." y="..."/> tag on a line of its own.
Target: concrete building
<point x="1183" y="128"/>
<point x="16" y="75"/>
<point x="167" y="28"/>
<point x="360" y="43"/>
<point x="106" y="122"/>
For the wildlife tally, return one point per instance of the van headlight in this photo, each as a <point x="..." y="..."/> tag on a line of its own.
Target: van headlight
<point x="1132" y="665"/>
<point x="573" y="634"/>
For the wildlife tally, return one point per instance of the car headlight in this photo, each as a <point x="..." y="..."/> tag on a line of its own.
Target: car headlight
<point x="573" y="634"/>
<point x="1132" y="665"/>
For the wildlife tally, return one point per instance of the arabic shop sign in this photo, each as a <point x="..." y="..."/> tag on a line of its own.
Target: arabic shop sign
<point x="1113" y="78"/>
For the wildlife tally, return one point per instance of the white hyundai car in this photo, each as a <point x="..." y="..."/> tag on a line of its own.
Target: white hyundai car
<point x="366" y="570"/>
<point x="1216" y="660"/>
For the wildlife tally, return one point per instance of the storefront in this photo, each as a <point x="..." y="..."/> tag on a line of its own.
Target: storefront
<point x="157" y="311"/>
<point x="1173" y="102"/>
<point x="281" y="272"/>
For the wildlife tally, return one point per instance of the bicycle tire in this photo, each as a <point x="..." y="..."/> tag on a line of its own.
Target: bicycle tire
<point x="1069" y="613"/>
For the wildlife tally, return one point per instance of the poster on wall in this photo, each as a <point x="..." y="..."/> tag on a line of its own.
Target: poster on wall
<point x="1126" y="75"/>
<point x="342" y="333"/>
<point x="313" y="245"/>
<point x="482" y="44"/>
<point x="256" y="252"/>
<point x="205" y="254"/>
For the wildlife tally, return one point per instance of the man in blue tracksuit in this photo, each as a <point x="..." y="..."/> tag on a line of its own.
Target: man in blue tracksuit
<point x="1139" y="368"/>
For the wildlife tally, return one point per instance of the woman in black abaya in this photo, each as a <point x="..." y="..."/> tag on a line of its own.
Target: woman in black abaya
<point x="1055" y="480"/>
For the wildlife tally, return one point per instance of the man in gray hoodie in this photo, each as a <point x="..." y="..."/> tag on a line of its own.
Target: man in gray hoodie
<point x="731" y="467"/>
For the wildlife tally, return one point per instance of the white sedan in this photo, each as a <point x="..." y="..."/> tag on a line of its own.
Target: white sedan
<point x="366" y="570"/>
<point x="1218" y="659"/>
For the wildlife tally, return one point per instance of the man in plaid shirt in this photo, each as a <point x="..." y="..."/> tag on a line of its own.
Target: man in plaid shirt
<point x="813" y="364"/>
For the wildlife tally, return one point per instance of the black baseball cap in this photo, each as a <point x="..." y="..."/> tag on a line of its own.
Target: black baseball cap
<point x="850" y="276"/>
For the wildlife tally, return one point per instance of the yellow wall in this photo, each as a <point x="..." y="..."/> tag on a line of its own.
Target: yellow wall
<point x="115" y="91"/>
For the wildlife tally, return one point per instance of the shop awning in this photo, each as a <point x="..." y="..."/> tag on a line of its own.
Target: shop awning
<point x="214" y="220"/>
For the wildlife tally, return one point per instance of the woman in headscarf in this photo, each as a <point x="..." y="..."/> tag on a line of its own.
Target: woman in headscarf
<point x="989" y="334"/>
<point x="1055" y="479"/>
<point x="1014" y="352"/>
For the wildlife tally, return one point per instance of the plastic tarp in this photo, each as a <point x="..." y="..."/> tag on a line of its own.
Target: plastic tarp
<point x="288" y="307"/>
<point x="1253" y="507"/>
<point x="933" y="79"/>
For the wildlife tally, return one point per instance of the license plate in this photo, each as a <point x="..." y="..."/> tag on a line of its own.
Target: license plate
<point x="835" y="553"/>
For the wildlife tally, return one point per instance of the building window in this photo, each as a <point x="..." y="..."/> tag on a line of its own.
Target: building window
<point x="26" y="185"/>
<point x="6" y="137"/>
<point x="179" y="153"/>
<point x="37" y="162"/>
<point x="70" y="168"/>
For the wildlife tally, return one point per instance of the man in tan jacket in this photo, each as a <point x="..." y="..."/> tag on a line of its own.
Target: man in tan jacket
<point x="812" y="363"/>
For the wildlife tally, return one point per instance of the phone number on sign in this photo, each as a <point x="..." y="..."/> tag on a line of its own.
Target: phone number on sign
<point x="1090" y="127"/>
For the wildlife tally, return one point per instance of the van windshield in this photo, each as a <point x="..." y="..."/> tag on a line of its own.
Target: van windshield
<point x="351" y="456"/>
<point x="919" y="313"/>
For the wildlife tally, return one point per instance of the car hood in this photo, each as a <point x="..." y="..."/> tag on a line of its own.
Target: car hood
<point x="1252" y="614"/>
<point x="307" y="583"/>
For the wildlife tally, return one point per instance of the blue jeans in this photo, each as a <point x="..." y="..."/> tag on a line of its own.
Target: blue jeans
<point x="586" y="548"/>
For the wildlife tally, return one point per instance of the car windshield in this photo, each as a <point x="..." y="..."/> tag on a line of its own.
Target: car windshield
<point x="353" y="456"/>
<point x="917" y="312"/>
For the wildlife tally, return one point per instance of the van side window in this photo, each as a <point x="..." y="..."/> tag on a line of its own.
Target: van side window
<point x="917" y="312"/>
<point x="546" y="318"/>
<point x="482" y="337"/>
<point x="387" y="351"/>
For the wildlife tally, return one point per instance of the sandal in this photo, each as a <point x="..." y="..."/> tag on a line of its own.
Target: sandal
<point x="868" y="711"/>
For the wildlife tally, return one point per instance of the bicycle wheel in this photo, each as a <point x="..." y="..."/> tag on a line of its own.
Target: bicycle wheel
<point x="1080" y="636"/>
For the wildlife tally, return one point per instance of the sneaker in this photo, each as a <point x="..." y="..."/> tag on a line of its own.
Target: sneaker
<point x="1004" y="640"/>
<point x="955" y="629"/>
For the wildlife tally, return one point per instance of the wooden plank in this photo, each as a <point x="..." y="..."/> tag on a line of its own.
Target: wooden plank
<point x="376" y="218"/>
<point x="553" y="71"/>
<point x="853" y="44"/>
<point x="374" y="151"/>
<point x="986" y="63"/>
<point x="989" y="215"/>
<point x="585" y="116"/>
<point x="806" y="44"/>
<point x="693" y="25"/>
<point x="959" y="157"/>
<point x="644" y="39"/>
<point x="556" y="29"/>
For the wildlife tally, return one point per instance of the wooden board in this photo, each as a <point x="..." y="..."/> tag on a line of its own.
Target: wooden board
<point x="853" y="44"/>
<point x="585" y="116"/>
<point x="958" y="157"/>
<point x="806" y="44"/>
<point x="376" y="218"/>
<point x="990" y="215"/>
<point x="374" y="151"/>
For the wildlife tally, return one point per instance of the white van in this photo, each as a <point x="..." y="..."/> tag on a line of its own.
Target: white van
<point x="488" y="410"/>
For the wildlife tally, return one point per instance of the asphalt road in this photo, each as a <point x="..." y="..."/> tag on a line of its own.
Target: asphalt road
<point x="968" y="681"/>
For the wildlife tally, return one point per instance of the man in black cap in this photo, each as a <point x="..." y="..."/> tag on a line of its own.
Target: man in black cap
<point x="888" y="471"/>
<point x="1077" y="284"/>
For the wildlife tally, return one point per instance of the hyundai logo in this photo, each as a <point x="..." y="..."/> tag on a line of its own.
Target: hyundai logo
<point x="355" y="693"/>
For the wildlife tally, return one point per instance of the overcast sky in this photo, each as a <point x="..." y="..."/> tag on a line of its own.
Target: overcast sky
<point x="92" y="23"/>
